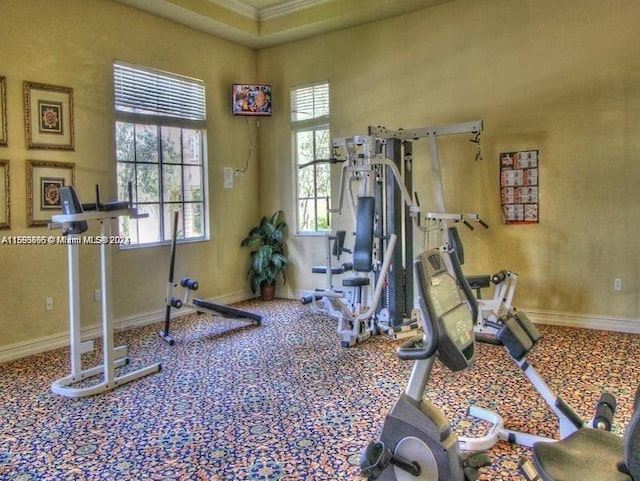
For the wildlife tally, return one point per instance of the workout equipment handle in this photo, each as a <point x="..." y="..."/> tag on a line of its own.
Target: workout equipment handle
<point x="605" y="411"/>
<point x="414" y="350"/>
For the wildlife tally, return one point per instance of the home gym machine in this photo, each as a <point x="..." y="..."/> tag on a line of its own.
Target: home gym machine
<point x="355" y="313"/>
<point x="399" y="212"/>
<point x="199" y="305"/>
<point x="74" y="221"/>
<point x="381" y="164"/>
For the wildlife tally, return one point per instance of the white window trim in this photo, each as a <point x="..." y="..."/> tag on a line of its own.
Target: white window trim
<point x="296" y="126"/>
<point x="171" y="121"/>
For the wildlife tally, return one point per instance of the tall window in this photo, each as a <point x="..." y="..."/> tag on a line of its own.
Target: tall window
<point x="311" y="143"/>
<point x="160" y="150"/>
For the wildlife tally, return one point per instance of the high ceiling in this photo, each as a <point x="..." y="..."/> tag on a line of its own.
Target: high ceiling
<point x="264" y="23"/>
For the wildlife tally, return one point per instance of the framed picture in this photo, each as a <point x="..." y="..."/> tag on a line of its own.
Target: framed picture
<point x="48" y="116"/>
<point x="5" y="199"/>
<point x="44" y="180"/>
<point x="3" y="111"/>
<point x="519" y="187"/>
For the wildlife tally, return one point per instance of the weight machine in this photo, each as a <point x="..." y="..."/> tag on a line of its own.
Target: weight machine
<point x="381" y="165"/>
<point x="74" y="221"/>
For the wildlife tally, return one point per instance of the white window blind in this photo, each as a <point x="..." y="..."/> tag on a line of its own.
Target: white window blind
<point x="310" y="102"/>
<point x="159" y="94"/>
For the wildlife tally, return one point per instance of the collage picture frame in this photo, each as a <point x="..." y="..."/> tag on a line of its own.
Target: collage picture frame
<point x="48" y="116"/>
<point x="44" y="180"/>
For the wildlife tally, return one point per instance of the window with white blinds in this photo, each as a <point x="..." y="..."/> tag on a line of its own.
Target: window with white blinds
<point x="152" y="92"/>
<point x="311" y="142"/>
<point x="160" y="133"/>
<point x="310" y="102"/>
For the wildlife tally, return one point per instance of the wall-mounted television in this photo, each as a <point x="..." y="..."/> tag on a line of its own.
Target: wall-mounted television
<point x="252" y="99"/>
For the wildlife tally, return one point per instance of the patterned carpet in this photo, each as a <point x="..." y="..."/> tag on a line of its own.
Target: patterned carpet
<point x="282" y="401"/>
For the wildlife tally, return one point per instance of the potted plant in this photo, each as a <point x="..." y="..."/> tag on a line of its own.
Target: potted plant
<point x="268" y="260"/>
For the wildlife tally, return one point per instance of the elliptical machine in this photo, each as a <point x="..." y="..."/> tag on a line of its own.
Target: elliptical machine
<point x="417" y="442"/>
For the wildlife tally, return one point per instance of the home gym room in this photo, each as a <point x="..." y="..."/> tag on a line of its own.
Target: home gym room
<point x="232" y="398"/>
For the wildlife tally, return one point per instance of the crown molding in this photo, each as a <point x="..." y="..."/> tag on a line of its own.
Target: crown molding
<point x="239" y="7"/>
<point x="279" y="10"/>
<point x="239" y="21"/>
<point x="288" y="8"/>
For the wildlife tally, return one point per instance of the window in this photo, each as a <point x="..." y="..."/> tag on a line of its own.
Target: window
<point x="160" y="149"/>
<point x="311" y="142"/>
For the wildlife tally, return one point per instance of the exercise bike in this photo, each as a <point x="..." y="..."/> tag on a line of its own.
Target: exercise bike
<point x="417" y="442"/>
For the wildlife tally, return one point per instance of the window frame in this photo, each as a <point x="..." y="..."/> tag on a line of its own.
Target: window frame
<point x="158" y="122"/>
<point x="312" y="125"/>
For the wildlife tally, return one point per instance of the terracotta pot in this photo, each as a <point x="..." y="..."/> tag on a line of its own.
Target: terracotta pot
<point x="267" y="292"/>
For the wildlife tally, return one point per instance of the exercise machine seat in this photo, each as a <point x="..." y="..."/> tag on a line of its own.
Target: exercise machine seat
<point x="589" y="454"/>
<point x="592" y="454"/>
<point x="363" y="247"/>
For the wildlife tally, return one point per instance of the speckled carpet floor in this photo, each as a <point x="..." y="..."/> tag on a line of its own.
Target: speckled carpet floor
<point x="282" y="401"/>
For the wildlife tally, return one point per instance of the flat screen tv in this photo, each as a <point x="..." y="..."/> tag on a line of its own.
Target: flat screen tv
<point x="252" y="99"/>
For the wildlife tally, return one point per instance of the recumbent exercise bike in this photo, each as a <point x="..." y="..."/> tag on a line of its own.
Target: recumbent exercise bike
<point x="417" y="442"/>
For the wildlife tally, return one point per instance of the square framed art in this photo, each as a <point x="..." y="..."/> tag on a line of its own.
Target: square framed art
<point x="48" y="116"/>
<point x="44" y="180"/>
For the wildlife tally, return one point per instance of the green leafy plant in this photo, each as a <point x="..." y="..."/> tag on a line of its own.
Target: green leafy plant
<point x="268" y="259"/>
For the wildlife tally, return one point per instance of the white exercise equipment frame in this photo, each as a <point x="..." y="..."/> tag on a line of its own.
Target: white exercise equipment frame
<point x="113" y="357"/>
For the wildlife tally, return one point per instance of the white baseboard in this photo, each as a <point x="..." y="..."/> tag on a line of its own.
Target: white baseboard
<point x="553" y="318"/>
<point x="602" y="323"/>
<point x="56" y="341"/>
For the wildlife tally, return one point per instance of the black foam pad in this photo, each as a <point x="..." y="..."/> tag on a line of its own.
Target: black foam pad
<point x="71" y="205"/>
<point x="363" y="248"/>
<point x="338" y="245"/>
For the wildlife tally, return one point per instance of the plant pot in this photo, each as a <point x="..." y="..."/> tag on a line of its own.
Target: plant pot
<point x="267" y="292"/>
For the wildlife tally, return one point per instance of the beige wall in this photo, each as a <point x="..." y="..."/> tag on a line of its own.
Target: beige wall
<point x="561" y="77"/>
<point x="73" y="43"/>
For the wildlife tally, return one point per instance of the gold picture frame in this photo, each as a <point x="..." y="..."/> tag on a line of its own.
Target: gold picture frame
<point x="3" y="112"/>
<point x="48" y="116"/>
<point x="44" y="179"/>
<point x="5" y="195"/>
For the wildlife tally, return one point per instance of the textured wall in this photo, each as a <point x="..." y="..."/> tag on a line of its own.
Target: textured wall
<point x="73" y="43"/>
<point x="561" y="77"/>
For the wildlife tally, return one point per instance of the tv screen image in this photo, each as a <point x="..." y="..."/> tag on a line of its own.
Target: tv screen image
<point x="251" y="99"/>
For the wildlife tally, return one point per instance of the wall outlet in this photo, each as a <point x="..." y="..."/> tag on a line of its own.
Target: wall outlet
<point x="49" y="304"/>
<point x="227" y="177"/>
<point x="97" y="295"/>
<point x="617" y="284"/>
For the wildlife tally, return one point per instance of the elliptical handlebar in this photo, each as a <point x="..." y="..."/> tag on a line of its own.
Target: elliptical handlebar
<point x="414" y="349"/>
